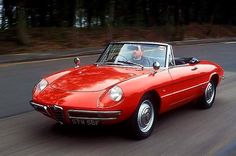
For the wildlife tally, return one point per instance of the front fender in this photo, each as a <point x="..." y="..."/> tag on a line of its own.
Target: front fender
<point x="135" y="88"/>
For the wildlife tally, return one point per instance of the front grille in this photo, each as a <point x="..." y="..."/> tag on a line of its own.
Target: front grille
<point x="58" y="113"/>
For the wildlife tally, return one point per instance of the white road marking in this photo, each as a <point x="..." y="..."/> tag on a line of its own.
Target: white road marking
<point x="49" y="60"/>
<point x="198" y="44"/>
<point x="232" y="42"/>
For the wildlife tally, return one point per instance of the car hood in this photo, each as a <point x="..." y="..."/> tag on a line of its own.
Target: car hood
<point x="95" y="78"/>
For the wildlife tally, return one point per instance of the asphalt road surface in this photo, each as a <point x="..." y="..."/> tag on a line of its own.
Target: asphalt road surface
<point x="185" y="131"/>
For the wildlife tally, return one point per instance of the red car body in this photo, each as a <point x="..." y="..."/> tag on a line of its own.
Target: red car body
<point x="82" y="92"/>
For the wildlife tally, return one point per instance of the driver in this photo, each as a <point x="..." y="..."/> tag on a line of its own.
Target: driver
<point x="137" y="57"/>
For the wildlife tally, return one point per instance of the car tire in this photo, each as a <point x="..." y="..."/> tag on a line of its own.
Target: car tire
<point x="208" y="98"/>
<point x="142" y="122"/>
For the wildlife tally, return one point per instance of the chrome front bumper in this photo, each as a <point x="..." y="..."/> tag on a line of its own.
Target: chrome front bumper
<point x="58" y="113"/>
<point x="93" y="115"/>
<point x="41" y="108"/>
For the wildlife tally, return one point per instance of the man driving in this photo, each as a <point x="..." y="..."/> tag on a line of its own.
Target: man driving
<point x="137" y="57"/>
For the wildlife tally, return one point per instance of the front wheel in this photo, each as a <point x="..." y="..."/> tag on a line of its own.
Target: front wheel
<point x="141" y="124"/>
<point x="208" y="97"/>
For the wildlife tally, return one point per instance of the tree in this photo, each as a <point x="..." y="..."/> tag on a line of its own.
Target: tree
<point x="110" y="18"/>
<point x="22" y="35"/>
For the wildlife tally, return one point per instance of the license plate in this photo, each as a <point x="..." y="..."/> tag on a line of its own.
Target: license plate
<point x="85" y="122"/>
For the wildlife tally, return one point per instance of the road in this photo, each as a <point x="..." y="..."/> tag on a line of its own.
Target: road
<point x="185" y="131"/>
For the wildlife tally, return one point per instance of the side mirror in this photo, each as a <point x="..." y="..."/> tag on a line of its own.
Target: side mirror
<point x="156" y="65"/>
<point x="194" y="60"/>
<point x="77" y="61"/>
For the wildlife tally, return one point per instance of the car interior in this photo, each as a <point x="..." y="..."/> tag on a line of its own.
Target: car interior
<point x="185" y="60"/>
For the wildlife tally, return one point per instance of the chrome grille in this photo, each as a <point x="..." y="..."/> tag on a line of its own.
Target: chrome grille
<point x="41" y="108"/>
<point x="57" y="112"/>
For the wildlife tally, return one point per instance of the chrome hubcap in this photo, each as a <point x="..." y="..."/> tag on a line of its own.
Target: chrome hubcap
<point x="145" y="116"/>
<point x="209" y="93"/>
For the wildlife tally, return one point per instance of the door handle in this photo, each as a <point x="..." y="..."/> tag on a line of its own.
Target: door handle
<point x="194" y="68"/>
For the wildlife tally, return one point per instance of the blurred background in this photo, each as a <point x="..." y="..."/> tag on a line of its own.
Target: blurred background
<point x="43" y="25"/>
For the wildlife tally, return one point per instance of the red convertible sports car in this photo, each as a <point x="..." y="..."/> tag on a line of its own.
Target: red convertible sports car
<point x="131" y="82"/>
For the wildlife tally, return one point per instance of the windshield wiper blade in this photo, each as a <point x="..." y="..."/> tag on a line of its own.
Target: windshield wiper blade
<point x="132" y="63"/>
<point x="112" y="63"/>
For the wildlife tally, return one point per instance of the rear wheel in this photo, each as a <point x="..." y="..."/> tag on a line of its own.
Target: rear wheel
<point x="208" y="97"/>
<point x="141" y="124"/>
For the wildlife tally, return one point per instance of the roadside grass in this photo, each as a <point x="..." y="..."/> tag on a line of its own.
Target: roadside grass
<point x="55" y="38"/>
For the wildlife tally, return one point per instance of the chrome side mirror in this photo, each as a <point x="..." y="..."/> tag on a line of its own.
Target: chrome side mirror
<point x="77" y="61"/>
<point x="156" y="65"/>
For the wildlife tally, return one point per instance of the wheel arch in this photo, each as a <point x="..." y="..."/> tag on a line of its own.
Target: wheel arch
<point x="156" y="99"/>
<point x="215" y="78"/>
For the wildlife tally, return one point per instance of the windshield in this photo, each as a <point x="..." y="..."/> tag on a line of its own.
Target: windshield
<point x="132" y="54"/>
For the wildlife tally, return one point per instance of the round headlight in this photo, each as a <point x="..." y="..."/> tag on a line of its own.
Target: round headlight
<point x="116" y="93"/>
<point x="42" y="84"/>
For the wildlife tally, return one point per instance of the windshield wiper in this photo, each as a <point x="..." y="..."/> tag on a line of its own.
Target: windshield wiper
<point x="131" y="63"/>
<point x="107" y="63"/>
<point x="112" y="63"/>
